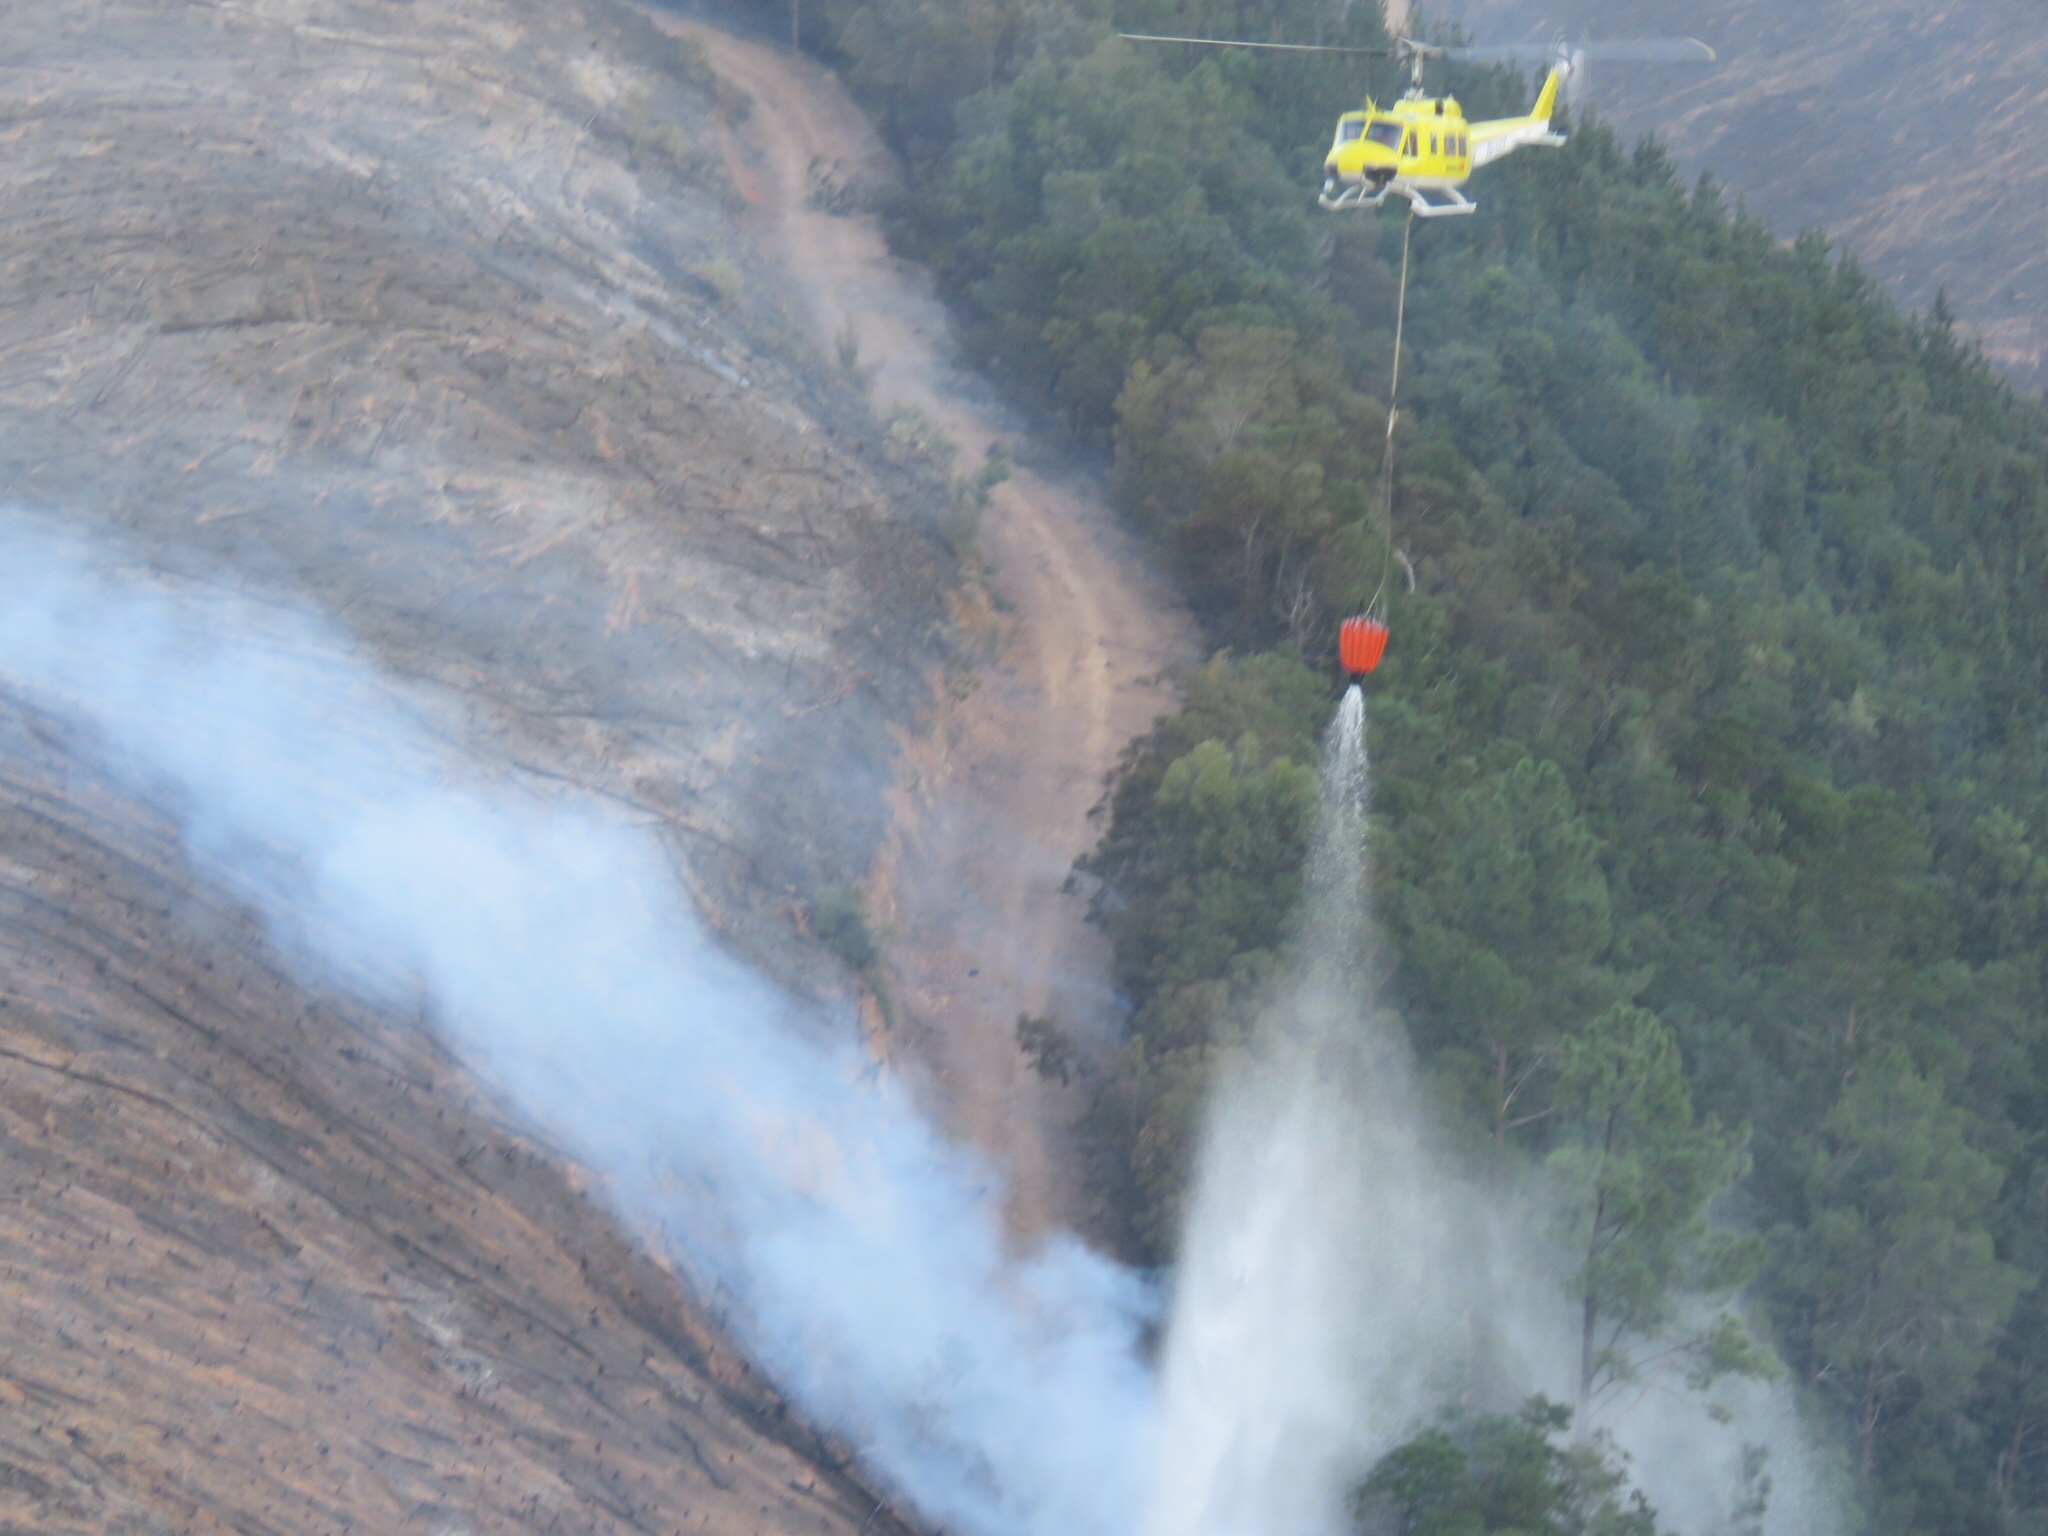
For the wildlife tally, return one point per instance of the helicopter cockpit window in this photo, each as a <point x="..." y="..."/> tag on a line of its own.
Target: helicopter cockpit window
<point x="1387" y="135"/>
<point x="1348" y="131"/>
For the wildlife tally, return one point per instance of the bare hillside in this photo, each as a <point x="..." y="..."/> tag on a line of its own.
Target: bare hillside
<point x="431" y="317"/>
<point x="996" y="800"/>
<point x="434" y="317"/>
<point x="270" y="1265"/>
<point x="1918" y="134"/>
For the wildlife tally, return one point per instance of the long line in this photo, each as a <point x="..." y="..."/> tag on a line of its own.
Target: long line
<point x="1393" y="416"/>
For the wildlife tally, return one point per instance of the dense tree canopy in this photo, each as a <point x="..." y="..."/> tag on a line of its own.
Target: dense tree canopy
<point x="1495" y="1473"/>
<point x="1713" y="737"/>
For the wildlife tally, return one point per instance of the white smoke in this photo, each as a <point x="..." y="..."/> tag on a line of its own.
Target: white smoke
<point x="1344" y="1277"/>
<point x="861" y="1252"/>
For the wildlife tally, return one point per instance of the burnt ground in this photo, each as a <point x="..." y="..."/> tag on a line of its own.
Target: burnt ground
<point x="268" y="1263"/>
<point x="1001" y="794"/>
<point x="432" y="317"/>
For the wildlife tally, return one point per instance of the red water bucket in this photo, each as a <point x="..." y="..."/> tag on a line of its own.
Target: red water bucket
<point x="1360" y="645"/>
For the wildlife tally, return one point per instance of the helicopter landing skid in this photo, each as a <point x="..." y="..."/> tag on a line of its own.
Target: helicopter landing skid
<point x="1359" y="195"/>
<point x="1454" y="204"/>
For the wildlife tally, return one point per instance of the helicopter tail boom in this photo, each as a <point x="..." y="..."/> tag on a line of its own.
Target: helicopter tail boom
<point x="1503" y="136"/>
<point x="1513" y="136"/>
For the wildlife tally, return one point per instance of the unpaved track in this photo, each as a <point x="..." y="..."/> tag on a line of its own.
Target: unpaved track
<point x="995" y="803"/>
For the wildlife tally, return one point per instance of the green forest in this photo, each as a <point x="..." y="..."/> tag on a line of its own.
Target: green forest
<point x="1711" y="753"/>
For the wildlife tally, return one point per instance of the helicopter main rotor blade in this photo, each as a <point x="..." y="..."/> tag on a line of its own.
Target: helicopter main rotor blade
<point x="1230" y="42"/>
<point x="1631" y="50"/>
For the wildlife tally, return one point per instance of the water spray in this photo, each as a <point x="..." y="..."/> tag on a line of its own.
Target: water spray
<point x="1346" y="1273"/>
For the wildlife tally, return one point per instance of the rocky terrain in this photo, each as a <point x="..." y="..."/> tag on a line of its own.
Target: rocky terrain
<point x="1910" y="131"/>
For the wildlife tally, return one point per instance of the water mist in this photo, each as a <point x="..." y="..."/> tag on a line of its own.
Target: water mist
<point x="1309" y="1318"/>
<point x="1344" y="1276"/>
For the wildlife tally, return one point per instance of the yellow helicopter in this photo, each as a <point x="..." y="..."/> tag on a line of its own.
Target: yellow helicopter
<point x="1422" y="148"/>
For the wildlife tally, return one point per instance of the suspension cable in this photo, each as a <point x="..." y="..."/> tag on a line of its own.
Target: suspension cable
<point x="1393" y="416"/>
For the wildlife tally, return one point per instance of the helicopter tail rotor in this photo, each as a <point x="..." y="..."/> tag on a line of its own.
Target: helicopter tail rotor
<point x="1572" y="66"/>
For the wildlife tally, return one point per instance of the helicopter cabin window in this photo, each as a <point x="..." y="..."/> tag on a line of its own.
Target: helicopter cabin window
<point x="1386" y="135"/>
<point x="1432" y="143"/>
<point x="1408" y="148"/>
<point x="1350" y="129"/>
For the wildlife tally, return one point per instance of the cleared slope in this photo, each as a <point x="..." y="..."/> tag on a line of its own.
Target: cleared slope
<point x="431" y="318"/>
<point x="434" y="317"/>
<point x="269" y="1265"/>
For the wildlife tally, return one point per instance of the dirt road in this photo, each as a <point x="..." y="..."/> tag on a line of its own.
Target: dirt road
<point x="995" y="802"/>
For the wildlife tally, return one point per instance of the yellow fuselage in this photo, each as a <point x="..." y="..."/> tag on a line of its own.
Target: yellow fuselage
<point x="1423" y="143"/>
<point x="1423" y="149"/>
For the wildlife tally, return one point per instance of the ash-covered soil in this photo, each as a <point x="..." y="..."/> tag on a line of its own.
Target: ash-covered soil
<point x="432" y="317"/>
<point x="268" y="1265"/>
<point x="1001" y="795"/>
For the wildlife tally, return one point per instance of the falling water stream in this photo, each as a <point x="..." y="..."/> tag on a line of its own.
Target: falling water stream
<point x="1313" y="1312"/>
<point x="1345" y="1276"/>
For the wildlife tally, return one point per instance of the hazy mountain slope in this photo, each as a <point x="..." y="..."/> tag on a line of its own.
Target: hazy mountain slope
<point x="997" y="799"/>
<point x="1916" y="133"/>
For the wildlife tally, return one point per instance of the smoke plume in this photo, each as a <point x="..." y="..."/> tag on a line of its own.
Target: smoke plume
<point x="1342" y="1276"/>
<point x="860" y="1253"/>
